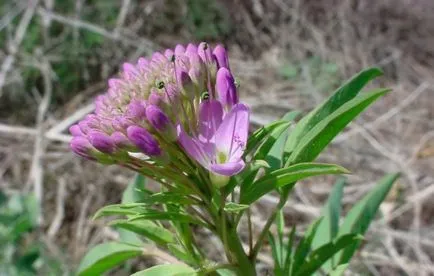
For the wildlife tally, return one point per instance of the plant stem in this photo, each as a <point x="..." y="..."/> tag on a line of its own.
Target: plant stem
<point x="254" y="253"/>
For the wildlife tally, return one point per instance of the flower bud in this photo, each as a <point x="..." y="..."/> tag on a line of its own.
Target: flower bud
<point x="136" y="110"/>
<point x="179" y="49"/>
<point x="121" y="141"/>
<point x="187" y="84"/>
<point x="82" y="147"/>
<point x="221" y="57"/>
<point x="205" y="53"/>
<point x="191" y="48"/>
<point x="226" y="89"/>
<point x="130" y="71"/>
<point x="101" y="141"/>
<point x="159" y="120"/>
<point x="75" y="130"/>
<point x="169" y="54"/>
<point x="143" y="140"/>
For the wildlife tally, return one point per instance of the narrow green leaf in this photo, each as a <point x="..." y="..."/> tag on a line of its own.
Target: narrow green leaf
<point x="329" y="226"/>
<point x="291" y="115"/>
<point x="119" y="209"/>
<point x="339" y="270"/>
<point x="304" y="247"/>
<point x="105" y="256"/>
<point x="172" y="216"/>
<point x="247" y="176"/>
<point x="129" y="237"/>
<point x="319" y="256"/>
<point x="360" y="216"/>
<point x="274" y="156"/>
<point x="232" y="207"/>
<point x="259" y="135"/>
<point x="322" y="133"/>
<point x="169" y="197"/>
<point x="289" y="258"/>
<point x="180" y="253"/>
<point x="147" y="229"/>
<point x="268" y="143"/>
<point x="167" y="270"/>
<point x="286" y="176"/>
<point x="343" y="94"/>
<point x="133" y="192"/>
<point x="276" y="253"/>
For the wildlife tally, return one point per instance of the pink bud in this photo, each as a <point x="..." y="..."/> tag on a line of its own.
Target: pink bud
<point x="221" y="56"/>
<point x="81" y="147"/>
<point x="101" y="141"/>
<point x="226" y="89"/>
<point x="76" y="131"/>
<point x="143" y="140"/>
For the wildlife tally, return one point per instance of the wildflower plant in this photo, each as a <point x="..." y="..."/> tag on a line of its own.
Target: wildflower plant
<point x="176" y="118"/>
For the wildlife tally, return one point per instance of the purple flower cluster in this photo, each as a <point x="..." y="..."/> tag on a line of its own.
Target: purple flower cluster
<point x="180" y="101"/>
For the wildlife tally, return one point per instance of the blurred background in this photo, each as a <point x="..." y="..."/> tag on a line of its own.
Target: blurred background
<point x="55" y="57"/>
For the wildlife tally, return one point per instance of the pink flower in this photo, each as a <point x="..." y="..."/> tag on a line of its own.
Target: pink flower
<point x="221" y="141"/>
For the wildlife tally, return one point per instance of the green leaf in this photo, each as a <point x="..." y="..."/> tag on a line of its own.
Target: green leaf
<point x="129" y="237"/>
<point x="276" y="252"/>
<point x="360" y="216"/>
<point x="275" y="154"/>
<point x="134" y="191"/>
<point x="343" y="94"/>
<point x="147" y="229"/>
<point x="329" y="226"/>
<point x="286" y="176"/>
<point x="167" y="270"/>
<point x="232" y="207"/>
<point x="169" y="197"/>
<point x="304" y="246"/>
<point x="289" y="258"/>
<point x="259" y="135"/>
<point x="322" y="133"/>
<point x="180" y="253"/>
<point x="246" y="177"/>
<point x="105" y="256"/>
<point x="339" y="270"/>
<point x="172" y="216"/>
<point x="319" y="256"/>
<point x="266" y="146"/>
<point x="119" y="209"/>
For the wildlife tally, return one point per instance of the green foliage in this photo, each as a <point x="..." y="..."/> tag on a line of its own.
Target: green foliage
<point x="167" y="270"/>
<point x="21" y="253"/>
<point x="206" y="19"/>
<point x="286" y="176"/>
<point x="105" y="256"/>
<point x="277" y="156"/>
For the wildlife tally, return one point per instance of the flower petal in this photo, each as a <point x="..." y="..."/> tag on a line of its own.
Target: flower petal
<point x="231" y="136"/>
<point x="199" y="151"/>
<point x="210" y="118"/>
<point x="228" y="169"/>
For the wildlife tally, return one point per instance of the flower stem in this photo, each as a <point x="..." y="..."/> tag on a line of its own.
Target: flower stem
<point x="254" y="253"/>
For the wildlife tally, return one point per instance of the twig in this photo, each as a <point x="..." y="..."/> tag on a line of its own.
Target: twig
<point x="19" y="35"/>
<point x="60" y="208"/>
<point x="36" y="174"/>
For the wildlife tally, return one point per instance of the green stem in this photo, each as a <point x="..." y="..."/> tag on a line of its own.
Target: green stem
<point x="254" y="253"/>
<point x="245" y="266"/>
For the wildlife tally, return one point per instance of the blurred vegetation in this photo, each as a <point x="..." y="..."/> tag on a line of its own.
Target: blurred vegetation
<point x="21" y="253"/>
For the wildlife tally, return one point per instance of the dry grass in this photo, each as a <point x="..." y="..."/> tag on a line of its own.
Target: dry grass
<point x="397" y="134"/>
